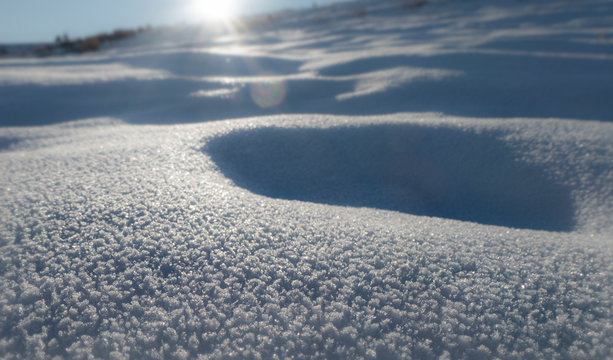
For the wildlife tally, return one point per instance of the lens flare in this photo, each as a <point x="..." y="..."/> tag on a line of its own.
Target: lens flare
<point x="269" y="93"/>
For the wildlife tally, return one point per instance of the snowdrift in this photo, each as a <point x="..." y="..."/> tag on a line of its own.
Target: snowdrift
<point x="366" y="180"/>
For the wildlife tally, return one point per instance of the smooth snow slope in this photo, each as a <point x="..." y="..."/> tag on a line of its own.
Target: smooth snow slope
<point x="480" y="230"/>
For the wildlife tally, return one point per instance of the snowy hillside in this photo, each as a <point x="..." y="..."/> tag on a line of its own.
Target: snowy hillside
<point x="365" y="180"/>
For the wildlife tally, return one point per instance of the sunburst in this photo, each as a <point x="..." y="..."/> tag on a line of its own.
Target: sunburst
<point x="217" y="10"/>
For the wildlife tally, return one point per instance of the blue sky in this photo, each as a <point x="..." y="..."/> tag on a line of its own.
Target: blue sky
<point x="41" y="20"/>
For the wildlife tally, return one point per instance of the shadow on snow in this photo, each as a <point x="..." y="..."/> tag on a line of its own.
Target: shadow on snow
<point x="440" y="172"/>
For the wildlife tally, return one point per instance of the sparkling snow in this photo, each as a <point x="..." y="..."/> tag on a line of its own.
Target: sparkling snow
<point x="426" y="183"/>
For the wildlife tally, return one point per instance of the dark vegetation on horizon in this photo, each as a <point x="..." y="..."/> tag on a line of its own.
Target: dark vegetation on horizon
<point x="89" y="44"/>
<point x="65" y="45"/>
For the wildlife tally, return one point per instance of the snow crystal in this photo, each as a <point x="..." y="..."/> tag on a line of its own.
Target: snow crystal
<point x="466" y="215"/>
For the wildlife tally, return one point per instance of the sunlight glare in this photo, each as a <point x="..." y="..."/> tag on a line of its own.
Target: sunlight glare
<point x="212" y="9"/>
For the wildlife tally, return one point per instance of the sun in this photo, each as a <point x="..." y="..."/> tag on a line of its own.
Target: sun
<point x="218" y="10"/>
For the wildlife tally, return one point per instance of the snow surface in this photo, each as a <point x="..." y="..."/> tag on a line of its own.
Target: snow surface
<point x="426" y="183"/>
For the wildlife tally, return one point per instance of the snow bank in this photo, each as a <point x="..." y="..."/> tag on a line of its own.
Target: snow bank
<point x="482" y="230"/>
<point x="122" y="241"/>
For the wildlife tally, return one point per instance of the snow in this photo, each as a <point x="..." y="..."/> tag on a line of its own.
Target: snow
<point x="425" y="183"/>
<point x="70" y="75"/>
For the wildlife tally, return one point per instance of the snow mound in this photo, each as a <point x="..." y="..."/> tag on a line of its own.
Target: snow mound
<point x="124" y="241"/>
<point x="443" y="172"/>
<point x="217" y="239"/>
